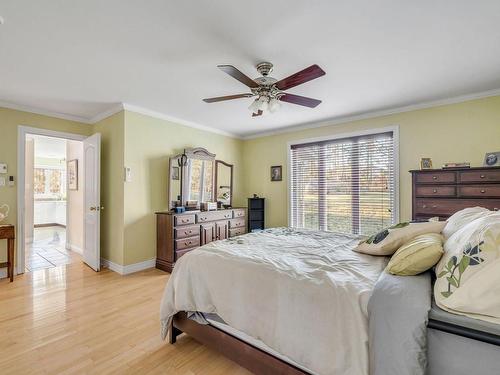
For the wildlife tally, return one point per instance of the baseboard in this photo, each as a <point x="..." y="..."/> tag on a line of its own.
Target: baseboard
<point x="49" y="225"/>
<point x="74" y="248"/>
<point x="131" y="268"/>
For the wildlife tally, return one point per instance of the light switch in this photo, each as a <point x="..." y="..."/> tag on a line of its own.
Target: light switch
<point x="128" y="174"/>
<point x="2" y="181"/>
<point x="3" y="168"/>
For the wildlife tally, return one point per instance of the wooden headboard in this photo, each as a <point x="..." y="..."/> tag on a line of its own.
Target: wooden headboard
<point x="442" y="192"/>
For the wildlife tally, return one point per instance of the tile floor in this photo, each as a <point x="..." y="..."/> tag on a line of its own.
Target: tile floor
<point x="48" y="249"/>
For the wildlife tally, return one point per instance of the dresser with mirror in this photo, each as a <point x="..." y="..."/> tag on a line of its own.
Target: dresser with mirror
<point x="196" y="178"/>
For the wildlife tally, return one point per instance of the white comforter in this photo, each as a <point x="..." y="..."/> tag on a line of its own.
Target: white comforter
<point x="302" y="293"/>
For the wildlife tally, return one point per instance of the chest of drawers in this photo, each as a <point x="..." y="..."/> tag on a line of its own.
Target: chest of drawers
<point x="177" y="234"/>
<point x="441" y="192"/>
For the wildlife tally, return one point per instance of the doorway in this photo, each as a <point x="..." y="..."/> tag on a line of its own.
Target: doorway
<point x="53" y="202"/>
<point x="58" y="199"/>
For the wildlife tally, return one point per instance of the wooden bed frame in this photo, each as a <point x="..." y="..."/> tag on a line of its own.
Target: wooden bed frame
<point x="241" y="352"/>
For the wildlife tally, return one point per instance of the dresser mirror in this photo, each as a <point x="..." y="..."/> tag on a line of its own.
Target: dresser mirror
<point x="224" y="183"/>
<point x="192" y="176"/>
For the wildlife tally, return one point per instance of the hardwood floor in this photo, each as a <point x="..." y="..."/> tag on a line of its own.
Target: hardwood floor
<point x="71" y="320"/>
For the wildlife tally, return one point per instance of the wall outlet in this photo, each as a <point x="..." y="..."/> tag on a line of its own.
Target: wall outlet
<point x="3" y="168"/>
<point x="11" y="181"/>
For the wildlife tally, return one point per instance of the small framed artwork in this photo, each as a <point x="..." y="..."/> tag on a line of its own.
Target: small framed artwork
<point x="276" y="173"/>
<point x="73" y="174"/>
<point x="175" y="173"/>
<point x="492" y="159"/>
<point x="426" y="163"/>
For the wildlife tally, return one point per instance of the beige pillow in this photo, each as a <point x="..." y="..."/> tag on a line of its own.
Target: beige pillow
<point x="468" y="275"/>
<point x="389" y="240"/>
<point x="417" y="255"/>
<point x="463" y="217"/>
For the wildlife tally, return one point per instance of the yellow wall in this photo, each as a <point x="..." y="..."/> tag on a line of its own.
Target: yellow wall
<point x="148" y="144"/>
<point x="9" y="123"/>
<point x="457" y="132"/>
<point x="112" y="153"/>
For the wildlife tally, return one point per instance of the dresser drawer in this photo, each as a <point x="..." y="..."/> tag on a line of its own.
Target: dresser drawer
<point x="480" y="176"/>
<point x="183" y="220"/>
<point x="237" y="231"/>
<point x="237" y="223"/>
<point x="483" y="191"/>
<point x="203" y="217"/>
<point x="187" y="243"/>
<point x="435" y="191"/>
<point x="180" y="253"/>
<point x="186" y="231"/>
<point x="239" y="213"/>
<point x="446" y="177"/>
<point x="447" y="207"/>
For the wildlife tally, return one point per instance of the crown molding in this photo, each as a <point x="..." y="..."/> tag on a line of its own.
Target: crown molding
<point x="162" y="116"/>
<point x="289" y="129"/>
<point x="374" y="114"/>
<point x="43" y="112"/>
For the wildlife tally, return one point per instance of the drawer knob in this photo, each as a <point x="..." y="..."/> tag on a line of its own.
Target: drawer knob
<point x="424" y="206"/>
<point x="483" y="191"/>
<point x="434" y="206"/>
<point x="434" y="177"/>
<point x="482" y="176"/>
<point x="435" y="191"/>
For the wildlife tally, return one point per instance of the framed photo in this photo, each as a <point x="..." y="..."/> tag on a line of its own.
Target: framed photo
<point x="175" y="173"/>
<point x="492" y="159"/>
<point x="426" y="163"/>
<point x="73" y="174"/>
<point x="276" y="173"/>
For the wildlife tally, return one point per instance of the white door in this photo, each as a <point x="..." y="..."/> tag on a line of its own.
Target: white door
<point x="92" y="200"/>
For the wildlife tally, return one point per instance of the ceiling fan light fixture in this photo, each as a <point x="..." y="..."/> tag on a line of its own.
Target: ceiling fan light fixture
<point x="255" y="106"/>
<point x="263" y="103"/>
<point x="274" y="105"/>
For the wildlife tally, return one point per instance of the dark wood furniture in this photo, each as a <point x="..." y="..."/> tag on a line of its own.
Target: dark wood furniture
<point x="256" y="213"/>
<point x="177" y="234"/>
<point x="442" y="192"/>
<point x="8" y="232"/>
<point x="246" y="355"/>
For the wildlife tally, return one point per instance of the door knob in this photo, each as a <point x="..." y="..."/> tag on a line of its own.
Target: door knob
<point x="92" y="208"/>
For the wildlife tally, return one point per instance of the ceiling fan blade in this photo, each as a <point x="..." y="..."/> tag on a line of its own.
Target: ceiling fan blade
<point x="259" y="112"/>
<point x="228" y="97"/>
<point x="300" y="100"/>
<point x="235" y="73"/>
<point x="308" y="74"/>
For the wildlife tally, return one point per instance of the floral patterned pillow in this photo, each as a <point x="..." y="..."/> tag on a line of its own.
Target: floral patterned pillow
<point x="387" y="241"/>
<point x="468" y="275"/>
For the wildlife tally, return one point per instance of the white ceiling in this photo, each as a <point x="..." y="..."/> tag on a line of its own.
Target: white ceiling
<point x="82" y="58"/>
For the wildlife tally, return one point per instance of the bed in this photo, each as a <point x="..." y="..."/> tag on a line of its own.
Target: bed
<point x="287" y="301"/>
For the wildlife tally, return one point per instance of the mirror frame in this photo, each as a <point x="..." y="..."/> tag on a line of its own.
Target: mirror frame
<point x="230" y="166"/>
<point x="199" y="153"/>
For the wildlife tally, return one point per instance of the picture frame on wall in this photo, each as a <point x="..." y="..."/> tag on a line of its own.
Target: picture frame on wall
<point x="72" y="174"/>
<point x="276" y="173"/>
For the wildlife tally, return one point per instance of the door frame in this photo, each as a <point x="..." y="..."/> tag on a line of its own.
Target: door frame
<point x="22" y="132"/>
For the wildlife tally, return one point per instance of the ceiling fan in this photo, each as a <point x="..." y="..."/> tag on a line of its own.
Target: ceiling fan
<point x="269" y="92"/>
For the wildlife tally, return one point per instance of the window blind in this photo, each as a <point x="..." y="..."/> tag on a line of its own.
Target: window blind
<point x="344" y="185"/>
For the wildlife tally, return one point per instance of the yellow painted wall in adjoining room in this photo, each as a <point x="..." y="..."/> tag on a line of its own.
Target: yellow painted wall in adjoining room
<point x="112" y="154"/>
<point x="149" y="142"/>
<point x="455" y="132"/>
<point x="10" y="120"/>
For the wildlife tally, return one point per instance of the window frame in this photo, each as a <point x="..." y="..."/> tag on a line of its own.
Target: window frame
<point x="331" y="137"/>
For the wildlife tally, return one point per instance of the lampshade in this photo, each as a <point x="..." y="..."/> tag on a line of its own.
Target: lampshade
<point x="263" y="103"/>
<point x="274" y="105"/>
<point x="254" y="107"/>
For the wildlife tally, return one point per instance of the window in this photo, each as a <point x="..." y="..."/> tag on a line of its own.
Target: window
<point x="345" y="185"/>
<point x="49" y="183"/>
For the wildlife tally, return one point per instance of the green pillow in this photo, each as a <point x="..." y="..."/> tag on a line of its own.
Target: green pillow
<point x="417" y="255"/>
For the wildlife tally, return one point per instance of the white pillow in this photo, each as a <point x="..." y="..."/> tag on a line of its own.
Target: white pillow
<point x="461" y="218"/>
<point x="468" y="275"/>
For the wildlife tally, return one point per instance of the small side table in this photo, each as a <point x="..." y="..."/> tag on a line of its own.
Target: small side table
<point x="7" y="232"/>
